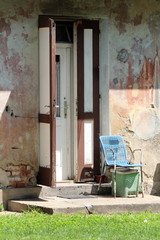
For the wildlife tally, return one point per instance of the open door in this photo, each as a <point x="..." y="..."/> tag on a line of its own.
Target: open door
<point x="88" y="100"/>
<point x="47" y="115"/>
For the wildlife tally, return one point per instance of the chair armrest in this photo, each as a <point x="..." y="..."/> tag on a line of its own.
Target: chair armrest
<point x="132" y="158"/>
<point x="141" y="156"/>
<point x="131" y="153"/>
<point x="109" y="149"/>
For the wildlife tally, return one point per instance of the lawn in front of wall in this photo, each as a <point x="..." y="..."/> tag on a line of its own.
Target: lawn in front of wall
<point x="35" y="225"/>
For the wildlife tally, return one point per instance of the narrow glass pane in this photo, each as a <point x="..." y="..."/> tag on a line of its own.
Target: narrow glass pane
<point x="64" y="32"/>
<point x="44" y="70"/>
<point x="88" y="142"/>
<point x="58" y="85"/>
<point x="88" y="70"/>
<point x="44" y="145"/>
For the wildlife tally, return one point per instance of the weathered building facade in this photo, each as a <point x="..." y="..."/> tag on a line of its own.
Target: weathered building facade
<point x="116" y="93"/>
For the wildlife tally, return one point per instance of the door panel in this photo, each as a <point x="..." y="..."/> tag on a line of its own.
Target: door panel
<point x="88" y="100"/>
<point x="46" y="175"/>
<point x="63" y="128"/>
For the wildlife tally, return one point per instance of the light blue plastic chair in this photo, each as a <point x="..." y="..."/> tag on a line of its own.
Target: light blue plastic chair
<point x="115" y="156"/>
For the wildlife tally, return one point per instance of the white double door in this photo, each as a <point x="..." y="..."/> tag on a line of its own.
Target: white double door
<point x="63" y="112"/>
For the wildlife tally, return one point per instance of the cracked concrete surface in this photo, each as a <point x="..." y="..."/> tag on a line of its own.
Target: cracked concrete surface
<point x="99" y="205"/>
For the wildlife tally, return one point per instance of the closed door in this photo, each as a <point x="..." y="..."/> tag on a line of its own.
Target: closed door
<point x="63" y="123"/>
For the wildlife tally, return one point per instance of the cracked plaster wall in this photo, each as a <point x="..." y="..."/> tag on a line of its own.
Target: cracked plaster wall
<point x="134" y="87"/>
<point x="18" y="92"/>
<point x="133" y="73"/>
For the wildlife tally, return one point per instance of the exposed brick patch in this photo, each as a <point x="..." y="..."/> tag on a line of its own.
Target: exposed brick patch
<point x="25" y="173"/>
<point x="18" y="185"/>
<point x="15" y="173"/>
<point x="8" y="173"/>
<point x="23" y="168"/>
<point x="28" y="168"/>
<point x="20" y="176"/>
<point x="14" y="185"/>
<point x="12" y="168"/>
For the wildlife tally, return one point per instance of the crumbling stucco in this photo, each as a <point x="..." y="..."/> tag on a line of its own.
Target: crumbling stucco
<point x="145" y="123"/>
<point x="134" y="83"/>
<point x="4" y="181"/>
<point x="18" y="85"/>
<point x="133" y="75"/>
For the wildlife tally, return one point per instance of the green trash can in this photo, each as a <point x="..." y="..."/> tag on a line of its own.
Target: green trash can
<point x="127" y="182"/>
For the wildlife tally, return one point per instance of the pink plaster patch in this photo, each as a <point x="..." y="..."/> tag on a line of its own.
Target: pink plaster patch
<point x="27" y="13"/>
<point x="13" y="63"/>
<point x="5" y="27"/>
<point x="4" y="48"/>
<point x="24" y="35"/>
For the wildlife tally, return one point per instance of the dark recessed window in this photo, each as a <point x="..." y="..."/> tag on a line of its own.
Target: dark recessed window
<point x="58" y="102"/>
<point x="64" y="32"/>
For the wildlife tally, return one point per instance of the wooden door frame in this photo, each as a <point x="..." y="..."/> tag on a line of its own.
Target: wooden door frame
<point x="80" y="92"/>
<point x="47" y="176"/>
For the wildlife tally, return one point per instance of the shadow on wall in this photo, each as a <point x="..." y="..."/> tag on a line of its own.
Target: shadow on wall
<point x="18" y="128"/>
<point x="156" y="181"/>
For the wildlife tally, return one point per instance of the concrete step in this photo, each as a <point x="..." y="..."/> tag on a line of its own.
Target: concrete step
<point x="18" y="193"/>
<point x="70" y="188"/>
<point x="65" y="188"/>
<point x="87" y="204"/>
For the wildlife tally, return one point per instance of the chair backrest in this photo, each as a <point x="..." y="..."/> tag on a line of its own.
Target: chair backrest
<point x="115" y="143"/>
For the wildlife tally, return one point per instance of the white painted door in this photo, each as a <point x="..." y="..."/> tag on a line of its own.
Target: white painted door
<point x="63" y="123"/>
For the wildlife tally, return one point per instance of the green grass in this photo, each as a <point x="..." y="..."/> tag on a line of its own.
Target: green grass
<point x="35" y="225"/>
<point x="1" y="208"/>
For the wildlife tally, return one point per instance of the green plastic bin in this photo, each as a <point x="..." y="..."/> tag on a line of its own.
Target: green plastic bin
<point x="127" y="182"/>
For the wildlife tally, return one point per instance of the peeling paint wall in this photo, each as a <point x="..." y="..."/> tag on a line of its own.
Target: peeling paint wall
<point x="135" y="81"/>
<point x="18" y="92"/>
<point x="133" y="73"/>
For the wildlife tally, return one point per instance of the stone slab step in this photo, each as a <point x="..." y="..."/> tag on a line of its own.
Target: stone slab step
<point x="43" y="191"/>
<point x="88" y="204"/>
<point x="18" y="193"/>
<point x="75" y="189"/>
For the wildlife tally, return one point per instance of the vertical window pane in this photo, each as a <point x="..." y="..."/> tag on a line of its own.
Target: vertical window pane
<point x="58" y="85"/>
<point x="44" y="70"/>
<point x="88" y="142"/>
<point x="44" y="145"/>
<point x="88" y="70"/>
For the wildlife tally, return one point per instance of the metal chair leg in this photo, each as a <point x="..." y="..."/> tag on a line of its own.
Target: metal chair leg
<point x="102" y="173"/>
<point x="114" y="184"/>
<point x="142" y="185"/>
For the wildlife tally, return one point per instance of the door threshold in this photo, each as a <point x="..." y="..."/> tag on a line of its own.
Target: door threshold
<point x="65" y="181"/>
<point x="72" y="183"/>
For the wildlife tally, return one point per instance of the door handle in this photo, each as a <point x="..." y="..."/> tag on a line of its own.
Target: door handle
<point x="48" y="106"/>
<point x="65" y="108"/>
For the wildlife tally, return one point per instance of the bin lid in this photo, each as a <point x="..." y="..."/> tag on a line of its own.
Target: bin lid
<point x="124" y="170"/>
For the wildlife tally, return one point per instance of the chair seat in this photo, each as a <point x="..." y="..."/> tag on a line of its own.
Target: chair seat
<point x="124" y="165"/>
<point x="129" y="165"/>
